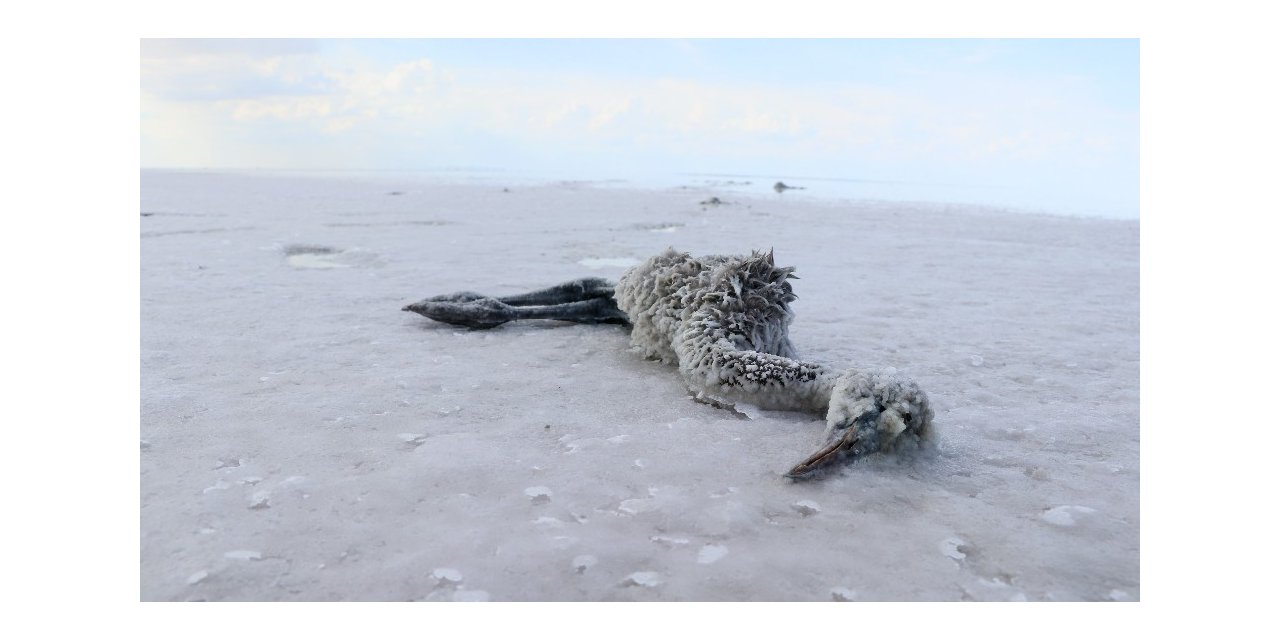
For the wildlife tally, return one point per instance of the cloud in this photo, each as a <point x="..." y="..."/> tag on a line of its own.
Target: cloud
<point x="247" y="90"/>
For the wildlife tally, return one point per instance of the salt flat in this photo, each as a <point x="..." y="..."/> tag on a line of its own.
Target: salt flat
<point x="305" y="439"/>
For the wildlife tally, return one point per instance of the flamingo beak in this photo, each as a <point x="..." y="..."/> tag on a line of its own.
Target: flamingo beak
<point x="844" y="444"/>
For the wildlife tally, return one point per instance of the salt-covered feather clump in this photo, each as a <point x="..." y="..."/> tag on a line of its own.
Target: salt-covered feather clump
<point x="723" y="321"/>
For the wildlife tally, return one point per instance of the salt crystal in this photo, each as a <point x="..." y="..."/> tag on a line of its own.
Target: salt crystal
<point x="552" y="523"/>
<point x="1062" y="516"/>
<point x="538" y="495"/>
<point x="667" y="541"/>
<point x="260" y="500"/>
<point x="975" y="361"/>
<point x="806" y="507"/>
<point x="445" y="575"/>
<point x="951" y="548"/>
<point x="843" y="594"/>
<point x="711" y="553"/>
<point x="197" y="576"/>
<point x="643" y="579"/>
<point x="413" y="439"/>
<point x="584" y="562"/>
<point x="637" y="505"/>
<point x="563" y="542"/>
<point x="243" y="555"/>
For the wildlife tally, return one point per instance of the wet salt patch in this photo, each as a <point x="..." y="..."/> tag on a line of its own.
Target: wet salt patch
<point x="197" y="577"/>
<point x="243" y="554"/>
<point x="643" y="579"/>
<point x="806" y="508"/>
<point x="583" y="562"/>
<point x="446" y="575"/>
<point x="538" y="495"/>
<point x="463" y="595"/>
<point x="951" y="548"/>
<point x="843" y="594"/>
<point x="601" y="263"/>
<point x="144" y="445"/>
<point x="711" y="553"/>
<point x="1065" y="516"/>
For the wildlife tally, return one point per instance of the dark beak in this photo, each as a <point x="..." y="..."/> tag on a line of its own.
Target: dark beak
<point x="842" y="445"/>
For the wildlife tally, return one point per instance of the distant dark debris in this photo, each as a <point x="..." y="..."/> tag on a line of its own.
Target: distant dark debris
<point x="782" y="186"/>
<point x="713" y="202"/>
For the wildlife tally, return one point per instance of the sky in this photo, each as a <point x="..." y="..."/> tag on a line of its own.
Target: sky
<point x="1038" y="122"/>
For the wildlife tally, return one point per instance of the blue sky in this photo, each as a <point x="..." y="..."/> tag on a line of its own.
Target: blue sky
<point x="1046" y="118"/>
